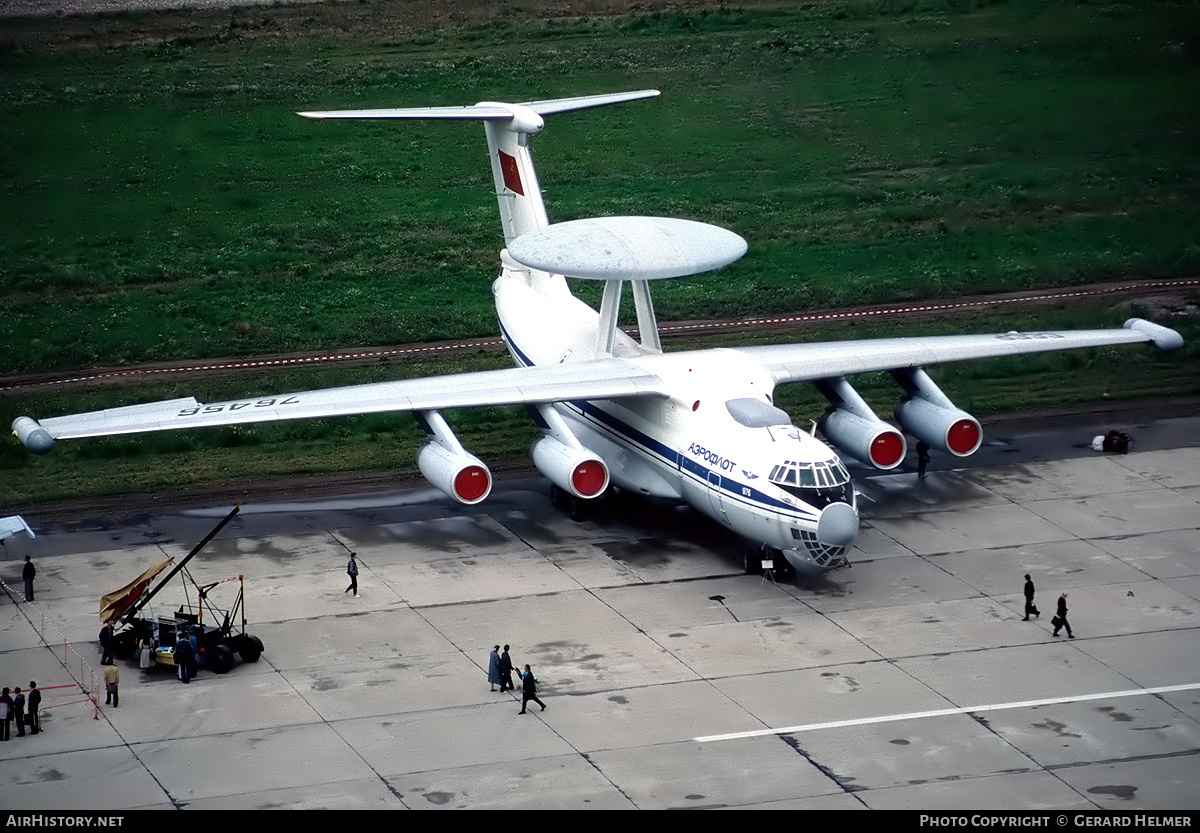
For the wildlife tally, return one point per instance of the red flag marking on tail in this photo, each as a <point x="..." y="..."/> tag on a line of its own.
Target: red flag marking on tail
<point x="512" y="176"/>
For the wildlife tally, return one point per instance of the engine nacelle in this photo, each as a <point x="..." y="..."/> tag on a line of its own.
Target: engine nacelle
<point x="871" y="441"/>
<point x="32" y="435"/>
<point x="946" y="429"/>
<point x="458" y="474"/>
<point x="573" y="469"/>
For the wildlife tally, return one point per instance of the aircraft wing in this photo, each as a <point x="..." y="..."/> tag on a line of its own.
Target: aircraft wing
<point x="826" y="360"/>
<point x="11" y="526"/>
<point x="598" y="379"/>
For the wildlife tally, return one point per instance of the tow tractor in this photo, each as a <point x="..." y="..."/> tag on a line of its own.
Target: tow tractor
<point x="217" y="641"/>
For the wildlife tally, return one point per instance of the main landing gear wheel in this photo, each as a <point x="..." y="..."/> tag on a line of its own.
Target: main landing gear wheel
<point x="753" y="558"/>
<point x="751" y="561"/>
<point x="575" y="508"/>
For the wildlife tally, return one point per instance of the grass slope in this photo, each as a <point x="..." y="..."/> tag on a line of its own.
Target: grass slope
<point x="165" y="201"/>
<point x="162" y="200"/>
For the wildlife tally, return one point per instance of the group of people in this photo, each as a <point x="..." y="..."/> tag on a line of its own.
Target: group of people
<point x="500" y="668"/>
<point x="15" y="707"/>
<point x="1060" y="618"/>
<point x="186" y="649"/>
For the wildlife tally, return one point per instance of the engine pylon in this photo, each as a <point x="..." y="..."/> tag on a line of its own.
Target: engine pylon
<point x="449" y="467"/>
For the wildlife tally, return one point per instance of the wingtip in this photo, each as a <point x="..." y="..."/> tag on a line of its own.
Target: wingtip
<point x="1164" y="338"/>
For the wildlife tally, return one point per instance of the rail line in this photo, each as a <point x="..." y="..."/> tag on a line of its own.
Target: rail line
<point x="143" y="372"/>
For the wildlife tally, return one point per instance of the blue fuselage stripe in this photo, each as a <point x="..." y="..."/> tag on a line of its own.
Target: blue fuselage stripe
<point x="673" y="459"/>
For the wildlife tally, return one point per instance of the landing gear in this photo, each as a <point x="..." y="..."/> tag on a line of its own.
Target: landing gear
<point x="754" y="558"/>
<point x="752" y="561"/>
<point x="575" y="508"/>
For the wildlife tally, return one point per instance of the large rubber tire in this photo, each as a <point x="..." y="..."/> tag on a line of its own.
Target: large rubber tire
<point x="579" y="509"/>
<point x="220" y="660"/>
<point x="751" y="561"/>
<point x="251" y="649"/>
<point x="125" y="645"/>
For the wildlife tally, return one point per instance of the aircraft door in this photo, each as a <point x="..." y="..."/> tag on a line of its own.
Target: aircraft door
<point x="715" y="498"/>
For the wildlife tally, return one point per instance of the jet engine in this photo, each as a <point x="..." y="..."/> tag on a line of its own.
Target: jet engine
<point x="459" y="474"/>
<point x="930" y="416"/>
<point x="571" y="468"/>
<point x="449" y="467"/>
<point x="566" y="462"/>
<point x="854" y="429"/>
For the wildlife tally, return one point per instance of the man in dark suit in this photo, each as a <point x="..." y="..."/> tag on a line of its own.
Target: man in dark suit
<point x="35" y="705"/>
<point x="19" y="711"/>
<point x="27" y="573"/>
<point x="106" y="644"/>
<point x="184" y="658"/>
<point x="1060" y="620"/>
<point x="529" y="690"/>
<point x="506" y="668"/>
<point x="1029" y="605"/>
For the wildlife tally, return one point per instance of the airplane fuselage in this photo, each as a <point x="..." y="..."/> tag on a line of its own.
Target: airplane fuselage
<point x="716" y="442"/>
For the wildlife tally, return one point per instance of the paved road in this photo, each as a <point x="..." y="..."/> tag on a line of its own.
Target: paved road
<point x="671" y="679"/>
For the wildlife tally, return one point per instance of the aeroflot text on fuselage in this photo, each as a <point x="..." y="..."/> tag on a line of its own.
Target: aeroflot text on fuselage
<point x="713" y="457"/>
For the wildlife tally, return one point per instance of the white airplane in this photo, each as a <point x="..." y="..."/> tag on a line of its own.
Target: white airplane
<point x="698" y="427"/>
<point x="12" y="525"/>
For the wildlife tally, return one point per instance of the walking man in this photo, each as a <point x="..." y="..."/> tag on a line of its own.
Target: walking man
<point x="494" y="677"/>
<point x="6" y="705"/>
<point x="529" y="690"/>
<point x="35" y="706"/>
<point x="922" y="458"/>
<point x="27" y="573"/>
<point x="1029" y="605"/>
<point x="112" y="681"/>
<point x="352" y="571"/>
<point x="19" y="711"/>
<point x="506" y="683"/>
<point x="1060" y="621"/>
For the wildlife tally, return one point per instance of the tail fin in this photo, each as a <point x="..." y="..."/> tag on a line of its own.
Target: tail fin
<point x="508" y="129"/>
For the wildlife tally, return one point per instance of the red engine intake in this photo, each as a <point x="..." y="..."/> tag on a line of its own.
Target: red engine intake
<point x="573" y="469"/>
<point x="946" y="429"/>
<point x="457" y="474"/>
<point x="871" y="441"/>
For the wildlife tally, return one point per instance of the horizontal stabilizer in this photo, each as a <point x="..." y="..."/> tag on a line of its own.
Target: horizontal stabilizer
<point x="486" y="110"/>
<point x="489" y="111"/>
<point x="562" y="105"/>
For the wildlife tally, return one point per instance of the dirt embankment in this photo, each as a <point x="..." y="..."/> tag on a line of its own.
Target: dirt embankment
<point x="104" y="23"/>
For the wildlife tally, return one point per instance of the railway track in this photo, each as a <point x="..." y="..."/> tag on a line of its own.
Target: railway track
<point x="693" y="330"/>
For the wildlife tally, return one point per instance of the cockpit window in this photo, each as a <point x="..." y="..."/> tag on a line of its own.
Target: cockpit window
<point x="817" y="483"/>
